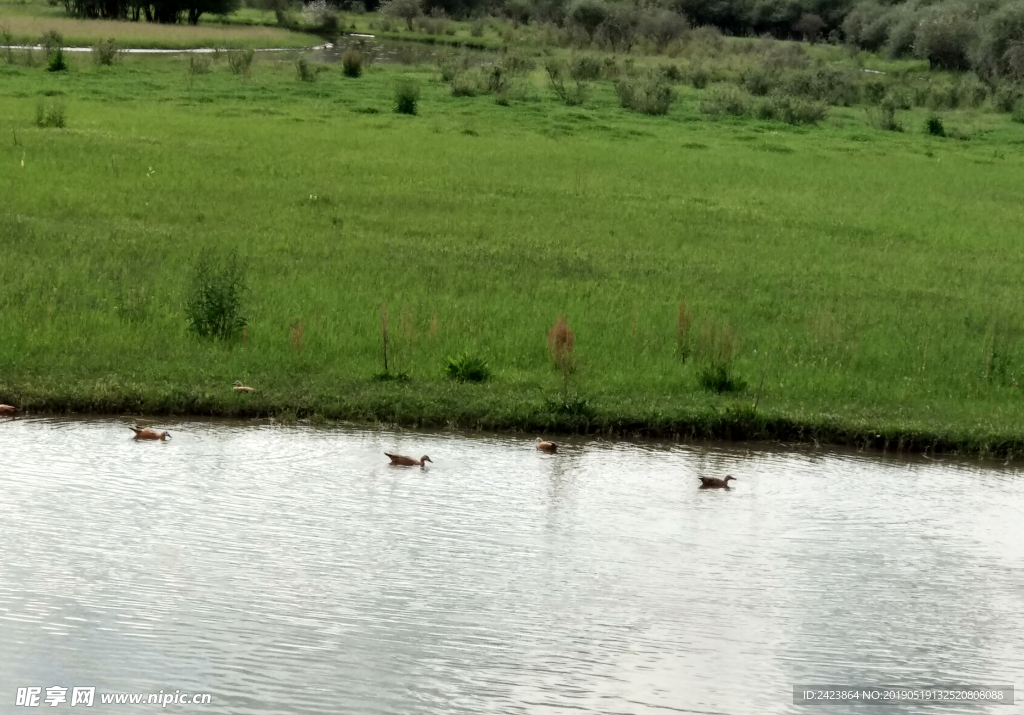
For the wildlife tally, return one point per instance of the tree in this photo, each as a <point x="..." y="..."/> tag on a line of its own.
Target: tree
<point x="407" y="10"/>
<point x="944" y="39"/>
<point x="809" y="26"/>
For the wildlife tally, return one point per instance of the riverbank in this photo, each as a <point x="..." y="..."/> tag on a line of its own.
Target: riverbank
<point x="858" y="285"/>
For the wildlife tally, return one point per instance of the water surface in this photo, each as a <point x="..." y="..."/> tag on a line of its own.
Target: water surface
<point x="292" y="570"/>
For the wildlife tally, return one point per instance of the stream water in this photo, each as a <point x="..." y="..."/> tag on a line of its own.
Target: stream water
<point x="293" y="570"/>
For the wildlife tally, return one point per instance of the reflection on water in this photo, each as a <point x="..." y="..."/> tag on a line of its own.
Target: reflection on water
<point x="292" y="570"/>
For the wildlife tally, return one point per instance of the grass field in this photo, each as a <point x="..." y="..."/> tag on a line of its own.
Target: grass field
<point x="871" y="279"/>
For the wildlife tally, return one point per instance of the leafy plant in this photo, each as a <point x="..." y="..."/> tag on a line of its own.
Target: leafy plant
<point x="652" y="94"/>
<point x="308" y="71"/>
<point x="240" y="61"/>
<point x="352" y="63"/>
<point x="50" y="115"/>
<point x="106" y="52"/>
<point x="716" y="348"/>
<point x="215" y="301"/>
<point x="573" y="93"/>
<point x="407" y="97"/>
<point x="56" y="62"/>
<point x="933" y="126"/>
<point x="467" y="368"/>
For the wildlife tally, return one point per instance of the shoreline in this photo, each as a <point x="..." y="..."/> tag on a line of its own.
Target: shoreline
<point x="737" y="423"/>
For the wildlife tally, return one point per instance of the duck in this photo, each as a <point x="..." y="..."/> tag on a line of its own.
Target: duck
<point x="545" y="446"/>
<point x="401" y="460"/>
<point x="148" y="433"/>
<point x="9" y="410"/>
<point x="715" y="482"/>
<point x="241" y="387"/>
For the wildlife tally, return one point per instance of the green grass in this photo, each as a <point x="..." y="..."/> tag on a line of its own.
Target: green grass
<point x="868" y="276"/>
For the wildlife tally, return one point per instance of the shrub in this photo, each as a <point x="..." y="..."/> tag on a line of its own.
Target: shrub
<point x="307" y="71"/>
<point x="884" y="118"/>
<point x="944" y="39"/>
<point x="699" y="76"/>
<point x="352" y="63"/>
<point x="584" y="68"/>
<point x="723" y="101"/>
<point x="588" y="15"/>
<point x="1006" y="96"/>
<point x="106" y="52"/>
<point x="50" y="115"/>
<point x="407" y="10"/>
<point x="791" y="110"/>
<point x="198" y="64"/>
<point x="452" y="65"/>
<point x="467" y="368"/>
<point x="1001" y="30"/>
<point x="573" y="93"/>
<point x="240" y="61"/>
<point x="650" y="95"/>
<point x="57" y="63"/>
<point x="477" y="28"/>
<point x="661" y="26"/>
<point x="874" y="91"/>
<point x="826" y="84"/>
<point x="51" y="40"/>
<point x="407" y="97"/>
<point x="933" y="126"/>
<point x="1018" y="113"/>
<point x="759" y="81"/>
<point x="717" y="345"/>
<point x="214" y="304"/>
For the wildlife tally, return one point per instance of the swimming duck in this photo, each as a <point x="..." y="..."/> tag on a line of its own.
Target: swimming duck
<point x="147" y="433"/>
<point x="545" y="446"/>
<point x="240" y="387"/>
<point x="8" y="410"/>
<point x="715" y="482"/>
<point x="403" y="461"/>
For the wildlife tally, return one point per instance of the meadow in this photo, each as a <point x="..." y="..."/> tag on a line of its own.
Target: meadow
<point x="857" y="285"/>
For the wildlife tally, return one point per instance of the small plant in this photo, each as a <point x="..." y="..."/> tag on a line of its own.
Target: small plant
<point x="307" y="71"/>
<point x="198" y="64"/>
<point x="407" y="97"/>
<point x="933" y="126"/>
<point x="699" y="76"/>
<point x="1018" y="113"/>
<point x="791" y="110"/>
<point x="56" y="62"/>
<point x="725" y="101"/>
<point x="240" y="61"/>
<point x="352" y="63"/>
<point x="106" y="52"/>
<point x="884" y="118"/>
<point x="572" y="94"/>
<point x="716" y="347"/>
<point x="214" y="304"/>
<point x="50" y="116"/>
<point x="477" y="28"/>
<point x="467" y="368"/>
<point x="561" y="346"/>
<point x="585" y="68"/>
<point x="51" y="40"/>
<point x="651" y="95"/>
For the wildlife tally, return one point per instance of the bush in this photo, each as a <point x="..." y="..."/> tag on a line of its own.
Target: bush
<point x="198" y="64"/>
<point x="57" y="63"/>
<point x="825" y="84"/>
<point x="307" y="71"/>
<point x="584" y="68"/>
<point x="407" y="97"/>
<point x="933" y="126"/>
<point x="352" y="63"/>
<point x="791" y="110"/>
<point x="759" y="81"/>
<point x="719" y="378"/>
<point x="573" y="93"/>
<point x="651" y="95"/>
<point x="240" y="61"/>
<point x="723" y="101"/>
<point x="1018" y="113"/>
<point x="699" y="76"/>
<point x="51" y="40"/>
<point x="467" y="368"/>
<point x="50" y="115"/>
<point x="884" y="118"/>
<point x="106" y="52"/>
<point x="1006" y="96"/>
<point x="214" y="304"/>
<point x="944" y="39"/>
<point x="661" y="26"/>
<point x="477" y="28"/>
<point x="452" y="65"/>
<point x="1001" y="31"/>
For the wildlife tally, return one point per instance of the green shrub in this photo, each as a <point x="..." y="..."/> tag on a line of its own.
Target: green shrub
<point x="214" y="303"/>
<point x="759" y="81"/>
<point x="308" y="71"/>
<point x="1018" y="113"/>
<point x="1006" y="96"/>
<point x="572" y="93"/>
<point x="649" y="95"/>
<point x="718" y="378"/>
<point x="352" y="63"/>
<point x="50" y="115"/>
<point x="51" y="40"/>
<point x="407" y="97"/>
<point x="933" y="126"/>
<point x="723" y="101"/>
<point x="106" y="52"/>
<point x="467" y="368"/>
<point x="791" y="110"/>
<point x="240" y="61"/>
<point x="57" y="63"/>
<point x="874" y="91"/>
<point x="198" y="64"/>
<point x="477" y="28"/>
<point x="584" y="68"/>
<point x="825" y="84"/>
<point x="884" y="118"/>
<point x="699" y="76"/>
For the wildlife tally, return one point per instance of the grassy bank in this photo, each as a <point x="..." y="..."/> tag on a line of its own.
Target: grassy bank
<point x="864" y="283"/>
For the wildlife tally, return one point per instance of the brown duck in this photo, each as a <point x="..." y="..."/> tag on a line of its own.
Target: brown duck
<point x="715" y="482"/>
<point x="148" y="433"/>
<point x="545" y="446"/>
<point x="401" y="460"/>
<point x="9" y="410"/>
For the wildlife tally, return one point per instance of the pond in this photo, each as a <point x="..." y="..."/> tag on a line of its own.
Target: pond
<point x="291" y="569"/>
